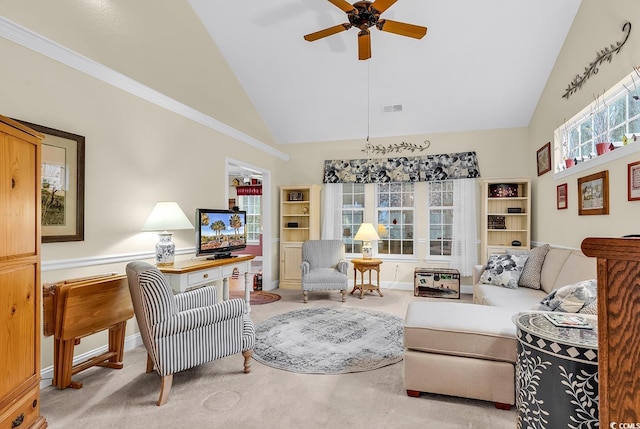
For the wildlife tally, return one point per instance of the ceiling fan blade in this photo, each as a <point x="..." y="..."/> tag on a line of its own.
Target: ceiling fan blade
<point x="364" y="45"/>
<point x="382" y="5"/>
<point x="326" y="32"/>
<point x="402" y="28"/>
<point x="342" y="4"/>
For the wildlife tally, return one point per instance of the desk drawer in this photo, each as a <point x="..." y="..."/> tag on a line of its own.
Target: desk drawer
<point x="24" y="412"/>
<point x="203" y="277"/>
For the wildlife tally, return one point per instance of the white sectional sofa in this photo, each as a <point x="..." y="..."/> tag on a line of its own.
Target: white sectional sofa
<point x="561" y="267"/>
<point x="469" y="350"/>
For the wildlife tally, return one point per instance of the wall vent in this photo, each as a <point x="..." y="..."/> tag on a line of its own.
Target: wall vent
<point x="391" y="108"/>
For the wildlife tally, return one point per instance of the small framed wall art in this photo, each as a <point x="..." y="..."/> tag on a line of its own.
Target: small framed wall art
<point x="593" y="194"/>
<point x="296" y="196"/>
<point x="561" y="197"/>
<point x="544" y="159"/>
<point x="62" y="184"/>
<point x="633" y="177"/>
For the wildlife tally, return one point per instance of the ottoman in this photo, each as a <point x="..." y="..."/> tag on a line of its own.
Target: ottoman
<point x="459" y="349"/>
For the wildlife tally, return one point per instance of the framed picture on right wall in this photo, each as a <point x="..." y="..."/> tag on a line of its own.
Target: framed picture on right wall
<point x="633" y="176"/>
<point x="561" y="197"/>
<point x="593" y="194"/>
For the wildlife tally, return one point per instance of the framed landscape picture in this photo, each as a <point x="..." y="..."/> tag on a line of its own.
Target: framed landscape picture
<point x="593" y="194"/>
<point x="561" y="197"/>
<point x="544" y="159"/>
<point x="633" y="186"/>
<point x="62" y="184"/>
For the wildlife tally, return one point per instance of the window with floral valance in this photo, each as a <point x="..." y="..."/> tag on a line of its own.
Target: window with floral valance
<point x="462" y="165"/>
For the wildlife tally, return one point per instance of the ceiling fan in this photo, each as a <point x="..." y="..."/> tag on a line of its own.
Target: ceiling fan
<point x="366" y="14"/>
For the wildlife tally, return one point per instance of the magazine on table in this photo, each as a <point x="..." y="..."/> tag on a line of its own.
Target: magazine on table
<point x="568" y="320"/>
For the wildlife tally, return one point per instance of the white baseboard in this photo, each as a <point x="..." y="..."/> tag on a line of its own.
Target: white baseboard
<point x="130" y="343"/>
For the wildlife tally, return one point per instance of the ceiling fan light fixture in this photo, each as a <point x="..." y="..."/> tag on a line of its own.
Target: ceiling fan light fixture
<point x="364" y="15"/>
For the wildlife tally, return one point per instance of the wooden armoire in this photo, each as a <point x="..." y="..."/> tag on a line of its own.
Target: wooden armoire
<point x="618" y="328"/>
<point x="20" y="290"/>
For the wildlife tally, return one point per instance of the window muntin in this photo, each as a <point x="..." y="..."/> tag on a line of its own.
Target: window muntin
<point x="353" y="206"/>
<point x="395" y="218"/>
<point x="440" y="217"/>
<point x="251" y="204"/>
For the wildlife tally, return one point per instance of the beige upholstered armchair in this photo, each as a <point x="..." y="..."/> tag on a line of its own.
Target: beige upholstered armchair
<point x="188" y="329"/>
<point x="324" y="267"/>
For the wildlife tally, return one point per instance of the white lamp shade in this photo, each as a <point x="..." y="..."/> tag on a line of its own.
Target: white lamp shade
<point x="165" y="216"/>
<point x="366" y="232"/>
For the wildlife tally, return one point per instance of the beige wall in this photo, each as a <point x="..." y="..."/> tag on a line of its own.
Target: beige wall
<point x="499" y="152"/>
<point x="597" y="25"/>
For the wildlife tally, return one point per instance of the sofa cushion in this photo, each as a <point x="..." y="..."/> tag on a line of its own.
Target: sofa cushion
<point x="553" y="263"/>
<point x="576" y="268"/>
<point x="515" y="300"/>
<point x="461" y="329"/>
<point x="503" y="270"/>
<point x="530" y="276"/>
<point x="571" y="298"/>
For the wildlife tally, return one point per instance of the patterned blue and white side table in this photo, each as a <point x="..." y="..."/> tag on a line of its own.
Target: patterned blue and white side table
<point x="556" y="374"/>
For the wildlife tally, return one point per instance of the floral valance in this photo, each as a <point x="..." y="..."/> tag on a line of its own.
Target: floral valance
<point x="463" y="165"/>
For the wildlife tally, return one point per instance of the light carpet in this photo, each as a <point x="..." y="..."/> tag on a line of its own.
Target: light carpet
<point x="218" y="395"/>
<point x="329" y="340"/>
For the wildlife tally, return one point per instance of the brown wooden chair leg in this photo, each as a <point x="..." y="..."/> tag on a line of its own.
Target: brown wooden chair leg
<point x="413" y="393"/>
<point x="149" y="363"/>
<point x="247" y="360"/>
<point x="165" y="388"/>
<point x="501" y="406"/>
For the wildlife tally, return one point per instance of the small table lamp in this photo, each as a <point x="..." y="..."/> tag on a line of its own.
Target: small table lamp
<point x="164" y="216"/>
<point x="366" y="233"/>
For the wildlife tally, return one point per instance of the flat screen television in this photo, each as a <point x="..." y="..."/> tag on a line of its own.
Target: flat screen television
<point x="220" y="232"/>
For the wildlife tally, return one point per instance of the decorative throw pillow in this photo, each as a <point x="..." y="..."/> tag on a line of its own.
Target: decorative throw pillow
<point x="574" y="298"/>
<point x="530" y="276"/>
<point x="503" y="270"/>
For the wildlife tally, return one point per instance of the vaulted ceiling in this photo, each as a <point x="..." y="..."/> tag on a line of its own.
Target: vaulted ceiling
<point x="482" y="64"/>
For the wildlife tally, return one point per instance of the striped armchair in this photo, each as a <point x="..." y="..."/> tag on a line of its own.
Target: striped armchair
<point x="188" y="329"/>
<point x="324" y="267"/>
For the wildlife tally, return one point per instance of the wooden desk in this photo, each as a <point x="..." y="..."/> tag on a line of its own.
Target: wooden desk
<point x="74" y="309"/>
<point x="195" y="273"/>
<point x="363" y="265"/>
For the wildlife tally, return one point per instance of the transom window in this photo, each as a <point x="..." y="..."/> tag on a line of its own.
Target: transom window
<point x="613" y="117"/>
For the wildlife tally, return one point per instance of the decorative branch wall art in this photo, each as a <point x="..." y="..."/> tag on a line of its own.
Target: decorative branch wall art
<point x="396" y="148"/>
<point x="603" y="55"/>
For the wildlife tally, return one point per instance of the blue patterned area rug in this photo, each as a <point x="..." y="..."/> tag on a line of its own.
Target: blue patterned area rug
<point x="329" y="340"/>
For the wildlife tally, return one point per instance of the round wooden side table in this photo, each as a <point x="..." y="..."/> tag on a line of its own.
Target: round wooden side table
<point x="366" y="265"/>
